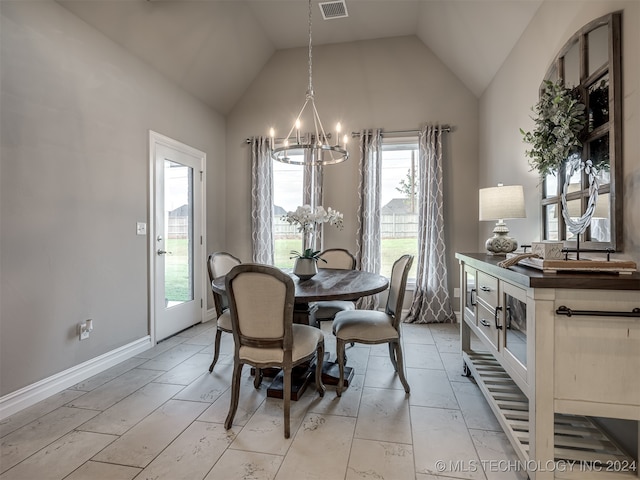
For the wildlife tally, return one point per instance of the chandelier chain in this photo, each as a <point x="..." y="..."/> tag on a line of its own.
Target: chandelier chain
<point x="310" y="91"/>
<point x="315" y="149"/>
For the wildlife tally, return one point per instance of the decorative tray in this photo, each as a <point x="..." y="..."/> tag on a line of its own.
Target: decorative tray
<point x="582" y="265"/>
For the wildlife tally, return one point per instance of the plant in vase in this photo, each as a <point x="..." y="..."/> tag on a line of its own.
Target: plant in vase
<point x="308" y="221"/>
<point x="556" y="142"/>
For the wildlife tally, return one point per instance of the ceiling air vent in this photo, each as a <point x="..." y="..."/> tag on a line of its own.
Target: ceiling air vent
<point x="333" y="10"/>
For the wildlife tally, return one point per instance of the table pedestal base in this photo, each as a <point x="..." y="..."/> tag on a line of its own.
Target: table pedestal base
<point x="305" y="374"/>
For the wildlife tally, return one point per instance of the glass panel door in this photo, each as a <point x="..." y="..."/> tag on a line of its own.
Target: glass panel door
<point x="516" y="327"/>
<point x="178" y="210"/>
<point x="177" y="247"/>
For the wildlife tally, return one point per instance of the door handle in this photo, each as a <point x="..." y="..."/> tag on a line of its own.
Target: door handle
<point x="495" y="317"/>
<point x="164" y="252"/>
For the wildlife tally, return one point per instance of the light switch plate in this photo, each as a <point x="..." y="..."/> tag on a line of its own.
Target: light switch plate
<point x="141" y="228"/>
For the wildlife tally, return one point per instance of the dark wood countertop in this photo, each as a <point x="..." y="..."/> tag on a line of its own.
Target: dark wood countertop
<point x="533" y="278"/>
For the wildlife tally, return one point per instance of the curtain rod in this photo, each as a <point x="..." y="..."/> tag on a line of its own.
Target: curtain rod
<point x="444" y="128"/>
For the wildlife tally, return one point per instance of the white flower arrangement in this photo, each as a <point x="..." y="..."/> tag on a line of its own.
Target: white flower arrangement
<point x="308" y="220"/>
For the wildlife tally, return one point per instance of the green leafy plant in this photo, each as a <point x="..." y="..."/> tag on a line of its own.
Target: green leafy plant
<point x="309" y="253"/>
<point x="559" y="121"/>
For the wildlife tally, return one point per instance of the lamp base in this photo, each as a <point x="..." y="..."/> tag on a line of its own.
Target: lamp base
<point x="501" y="243"/>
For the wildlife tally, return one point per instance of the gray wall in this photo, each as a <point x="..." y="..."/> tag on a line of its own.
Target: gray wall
<point x="506" y="106"/>
<point x="394" y="83"/>
<point x="76" y="112"/>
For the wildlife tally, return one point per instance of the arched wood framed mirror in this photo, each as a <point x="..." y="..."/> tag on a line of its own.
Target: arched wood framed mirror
<point x="590" y="62"/>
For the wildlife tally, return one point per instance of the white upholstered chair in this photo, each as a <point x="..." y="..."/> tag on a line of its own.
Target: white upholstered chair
<point x="261" y="299"/>
<point x="337" y="258"/>
<point x="373" y="326"/>
<point x="219" y="264"/>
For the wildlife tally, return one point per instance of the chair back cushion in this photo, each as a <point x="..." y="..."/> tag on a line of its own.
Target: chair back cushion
<point x="398" y="286"/>
<point x="261" y="301"/>
<point x="219" y="264"/>
<point x="338" y="258"/>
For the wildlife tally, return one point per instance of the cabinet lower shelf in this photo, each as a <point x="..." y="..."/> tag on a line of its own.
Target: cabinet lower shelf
<point x="582" y="449"/>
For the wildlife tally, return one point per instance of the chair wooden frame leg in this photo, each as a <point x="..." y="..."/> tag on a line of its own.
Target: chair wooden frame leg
<point x="257" y="379"/>
<point x="340" y="357"/>
<point x="319" y="360"/>
<point x="392" y="355"/>
<point x="216" y="349"/>
<point x="400" y="367"/>
<point x="235" y="393"/>
<point x="286" y="396"/>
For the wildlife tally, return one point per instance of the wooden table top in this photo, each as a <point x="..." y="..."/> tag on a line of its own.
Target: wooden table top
<point x="330" y="284"/>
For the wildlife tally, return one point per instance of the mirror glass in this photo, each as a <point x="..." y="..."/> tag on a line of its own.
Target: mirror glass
<point x="601" y="221"/>
<point x="598" y="42"/>
<point x="551" y="215"/>
<point x="598" y="103"/>
<point x="551" y="186"/>
<point x="572" y="66"/>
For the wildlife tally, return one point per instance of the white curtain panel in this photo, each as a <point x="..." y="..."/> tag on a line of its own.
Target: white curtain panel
<point x="368" y="233"/>
<point x="431" y="303"/>
<point x="261" y="201"/>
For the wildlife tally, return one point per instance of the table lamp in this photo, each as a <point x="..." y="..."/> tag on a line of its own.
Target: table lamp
<point x="498" y="203"/>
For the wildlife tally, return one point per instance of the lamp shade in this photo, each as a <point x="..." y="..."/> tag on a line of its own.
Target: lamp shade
<point x="498" y="203"/>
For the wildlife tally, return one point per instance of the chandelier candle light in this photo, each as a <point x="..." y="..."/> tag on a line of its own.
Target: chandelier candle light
<point x="498" y="203"/>
<point x="315" y="150"/>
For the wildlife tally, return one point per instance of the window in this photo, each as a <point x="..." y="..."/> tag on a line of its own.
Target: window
<point x="287" y="195"/>
<point x="399" y="202"/>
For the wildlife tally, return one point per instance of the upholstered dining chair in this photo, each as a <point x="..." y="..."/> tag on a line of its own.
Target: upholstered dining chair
<point x="261" y="299"/>
<point x="219" y="264"/>
<point x="373" y="326"/>
<point x="338" y="258"/>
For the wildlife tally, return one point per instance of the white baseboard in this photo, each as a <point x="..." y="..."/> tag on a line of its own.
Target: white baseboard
<point x="31" y="394"/>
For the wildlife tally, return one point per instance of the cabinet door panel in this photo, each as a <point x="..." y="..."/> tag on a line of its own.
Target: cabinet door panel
<point x="470" y="295"/>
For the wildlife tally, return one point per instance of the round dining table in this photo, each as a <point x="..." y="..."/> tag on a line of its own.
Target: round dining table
<point x="327" y="284"/>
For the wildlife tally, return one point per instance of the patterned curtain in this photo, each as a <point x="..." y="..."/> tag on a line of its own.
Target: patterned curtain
<point x="368" y="234"/>
<point x="431" y="299"/>
<point x="261" y="201"/>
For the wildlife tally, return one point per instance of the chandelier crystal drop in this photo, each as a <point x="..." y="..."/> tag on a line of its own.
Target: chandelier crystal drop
<point x="315" y="149"/>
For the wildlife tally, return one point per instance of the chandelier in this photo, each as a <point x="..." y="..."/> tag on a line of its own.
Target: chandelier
<point x="315" y="149"/>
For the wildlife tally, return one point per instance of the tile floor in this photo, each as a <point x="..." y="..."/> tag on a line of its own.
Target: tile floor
<point x="160" y="416"/>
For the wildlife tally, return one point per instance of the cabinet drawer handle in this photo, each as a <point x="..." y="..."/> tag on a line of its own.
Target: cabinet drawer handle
<point x="485" y="323"/>
<point x="473" y="295"/>
<point x="485" y="289"/>
<point x="495" y="317"/>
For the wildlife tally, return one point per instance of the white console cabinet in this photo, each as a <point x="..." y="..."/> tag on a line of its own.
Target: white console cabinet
<point x="553" y="352"/>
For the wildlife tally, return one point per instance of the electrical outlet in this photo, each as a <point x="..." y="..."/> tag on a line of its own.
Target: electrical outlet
<point x="141" y="228"/>
<point x="84" y="333"/>
<point x="456" y="293"/>
<point x="84" y="328"/>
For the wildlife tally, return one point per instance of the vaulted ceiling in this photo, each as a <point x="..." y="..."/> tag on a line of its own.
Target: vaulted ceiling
<point x="215" y="48"/>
